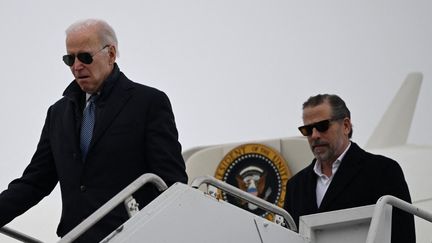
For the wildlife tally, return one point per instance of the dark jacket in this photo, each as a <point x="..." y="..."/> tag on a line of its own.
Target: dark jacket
<point x="135" y="133"/>
<point x="361" y="179"/>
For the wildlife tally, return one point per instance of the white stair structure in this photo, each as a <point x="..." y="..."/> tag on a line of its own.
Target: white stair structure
<point x="184" y="213"/>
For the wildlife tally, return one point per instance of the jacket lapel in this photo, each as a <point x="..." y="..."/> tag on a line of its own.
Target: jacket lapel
<point x="111" y="107"/>
<point x="311" y="189"/>
<point x="309" y="185"/>
<point x="348" y="169"/>
<point x="72" y="119"/>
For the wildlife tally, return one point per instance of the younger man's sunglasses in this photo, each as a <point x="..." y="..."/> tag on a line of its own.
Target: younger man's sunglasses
<point x="321" y="126"/>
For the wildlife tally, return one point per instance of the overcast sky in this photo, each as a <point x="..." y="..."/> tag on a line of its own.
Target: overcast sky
<point x="235" y="70"/>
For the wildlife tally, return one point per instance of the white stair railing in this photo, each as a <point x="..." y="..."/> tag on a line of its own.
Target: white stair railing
<point x="395" y="202"/>
<point x="122" y="196"/>
<point x="236" y="192"/>
<point x="18" y="235"/>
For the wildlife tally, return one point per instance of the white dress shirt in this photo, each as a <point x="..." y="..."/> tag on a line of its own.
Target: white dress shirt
<point x="324" y="181"/>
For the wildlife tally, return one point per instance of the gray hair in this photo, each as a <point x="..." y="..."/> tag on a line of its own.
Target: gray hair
<point x="105" y="32"/>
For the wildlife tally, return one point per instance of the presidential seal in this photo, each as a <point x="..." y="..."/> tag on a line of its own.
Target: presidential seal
<point x="258" y="170"/>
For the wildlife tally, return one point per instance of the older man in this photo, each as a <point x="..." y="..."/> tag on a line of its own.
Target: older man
<point x="104" y="133"/>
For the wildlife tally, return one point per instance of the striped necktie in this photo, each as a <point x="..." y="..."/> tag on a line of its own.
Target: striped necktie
<point x="87" y="125"/>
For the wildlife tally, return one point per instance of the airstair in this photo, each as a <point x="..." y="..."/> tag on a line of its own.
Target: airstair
<point x="184" y="213"/>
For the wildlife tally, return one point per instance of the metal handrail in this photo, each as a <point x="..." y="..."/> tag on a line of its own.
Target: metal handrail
<point x="112" y="203"/>
<point x="234" y="191"/>
<point x="395" y="202"/>
<point x="18" y="235"/>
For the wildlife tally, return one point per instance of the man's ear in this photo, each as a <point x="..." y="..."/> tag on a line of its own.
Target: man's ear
<point x="112" y="52"/>
<point x="347" y="125"/>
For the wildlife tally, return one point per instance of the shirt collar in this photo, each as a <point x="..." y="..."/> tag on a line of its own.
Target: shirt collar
<point x="317" y="167"/>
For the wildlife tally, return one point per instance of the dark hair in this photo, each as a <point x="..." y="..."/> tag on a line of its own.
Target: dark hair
<point x="338" y="106"/>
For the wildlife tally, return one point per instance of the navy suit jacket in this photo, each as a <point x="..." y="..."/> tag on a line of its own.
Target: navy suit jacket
<point x="134" y="133"/>
<point x="361" y="179"/>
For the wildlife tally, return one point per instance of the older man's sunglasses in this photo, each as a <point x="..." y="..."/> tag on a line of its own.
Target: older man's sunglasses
<point x="321" y="126"/>
<point x="83" y="57"/>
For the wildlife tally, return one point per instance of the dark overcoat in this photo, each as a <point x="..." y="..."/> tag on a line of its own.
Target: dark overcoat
<point x="135" y="133"/>
<point x="361" y="179"/>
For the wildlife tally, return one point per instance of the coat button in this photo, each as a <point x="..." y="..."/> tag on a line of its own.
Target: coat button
<point x="83" y="188"/>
